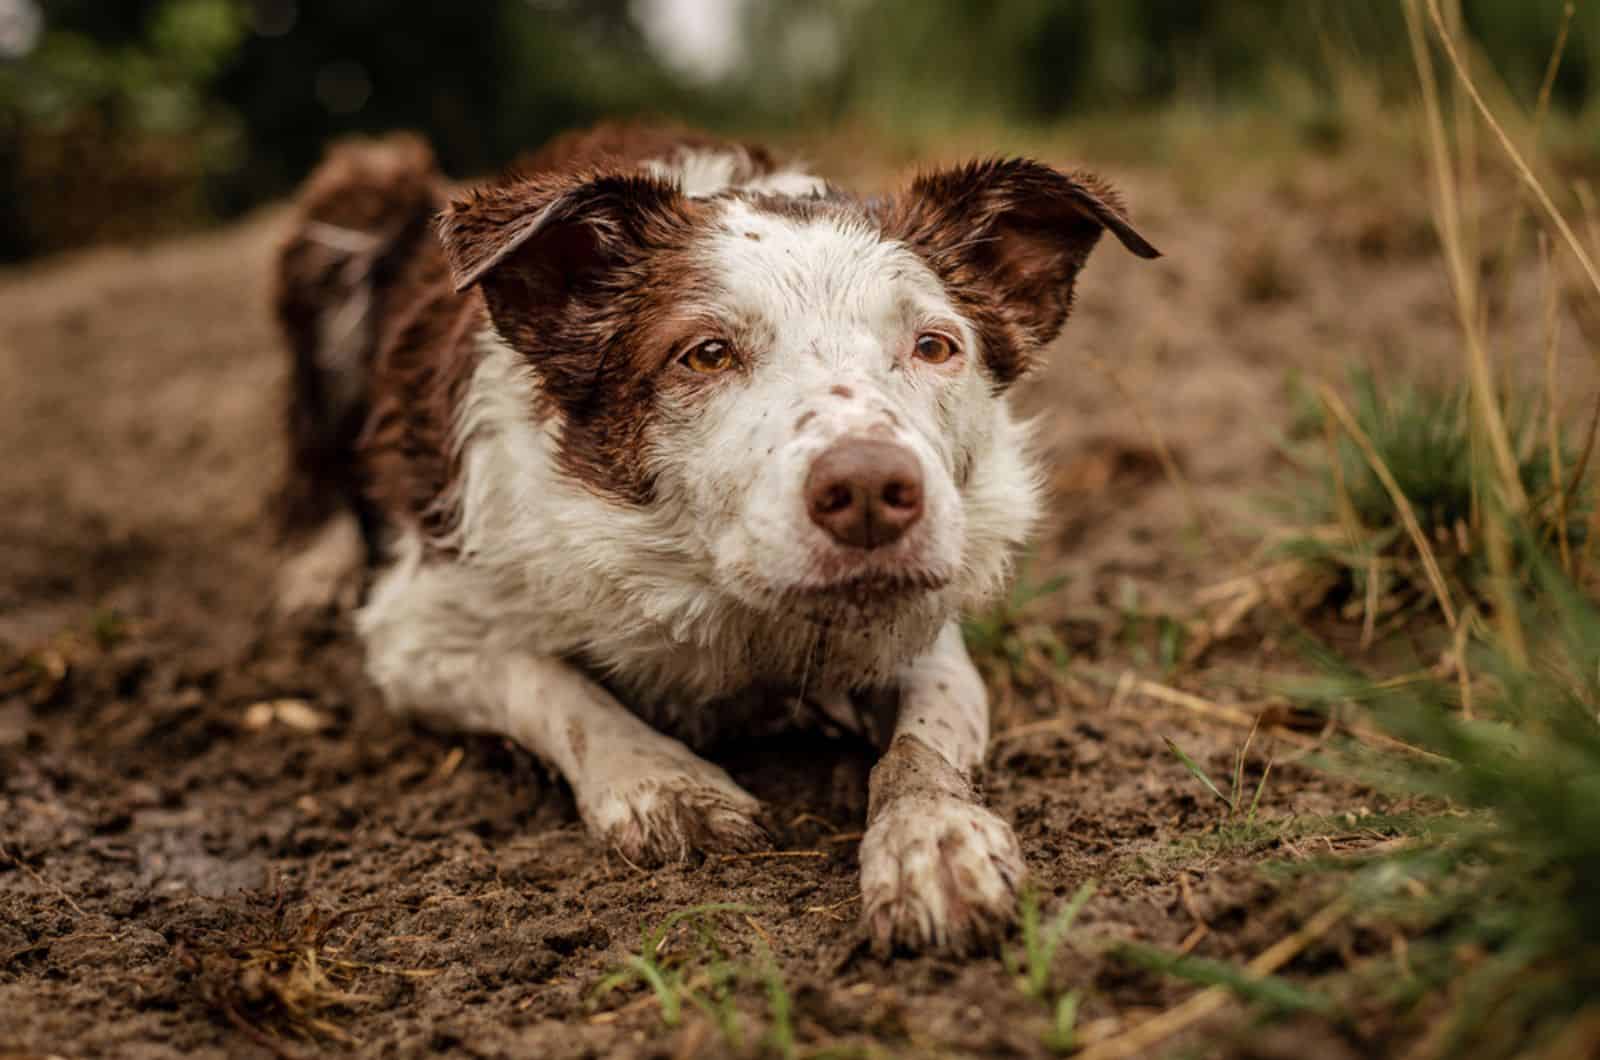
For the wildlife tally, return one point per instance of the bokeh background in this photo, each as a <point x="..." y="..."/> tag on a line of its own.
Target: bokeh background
<point x="133" y="118"/>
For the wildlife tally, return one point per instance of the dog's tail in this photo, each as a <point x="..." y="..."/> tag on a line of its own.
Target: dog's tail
<point x="360" y="219"/>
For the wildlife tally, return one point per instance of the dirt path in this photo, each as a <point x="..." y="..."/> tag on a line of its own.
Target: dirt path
<point x="171" y="850"/>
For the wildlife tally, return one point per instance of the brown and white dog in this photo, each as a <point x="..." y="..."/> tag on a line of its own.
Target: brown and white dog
<point x="663" y="440"/>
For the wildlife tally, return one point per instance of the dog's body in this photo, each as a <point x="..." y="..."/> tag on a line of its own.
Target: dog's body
<point x="663" y="441"/>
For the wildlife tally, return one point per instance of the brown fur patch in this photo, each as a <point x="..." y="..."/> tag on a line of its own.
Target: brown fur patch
<point x="591" y="302"/>
<point x="1008" y="238"/>
<point x="586" y="275"/>
<point x="627" y="145"/>
<point x="359" y="220"/>
<point x="409" y="467"/>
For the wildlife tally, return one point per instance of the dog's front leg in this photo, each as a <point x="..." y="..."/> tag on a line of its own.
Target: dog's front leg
<point x="642" y="792"/>
<point x="639" y="791"/>
<point x="937" y="868"/>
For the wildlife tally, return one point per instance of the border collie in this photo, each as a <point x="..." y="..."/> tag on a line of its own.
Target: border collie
<point x="662" y="440"/>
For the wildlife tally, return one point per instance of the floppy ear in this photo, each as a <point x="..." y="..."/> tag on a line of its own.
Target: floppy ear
<point x="1008" y="238"/>
<point x="535" y="245"/>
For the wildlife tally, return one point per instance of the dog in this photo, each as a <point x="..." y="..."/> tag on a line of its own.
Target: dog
<point x="664" y="439"/>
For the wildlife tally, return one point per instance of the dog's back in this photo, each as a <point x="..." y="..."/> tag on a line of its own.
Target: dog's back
<point x="360" y="235"/>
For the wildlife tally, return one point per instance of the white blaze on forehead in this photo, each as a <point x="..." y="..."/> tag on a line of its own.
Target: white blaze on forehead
<point x="825" y="312"/>
<point x="829" y="279"/>
<point x="700" y="173"/>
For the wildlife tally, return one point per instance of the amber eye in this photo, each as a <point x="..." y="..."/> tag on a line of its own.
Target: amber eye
<point x="935" y="348"/>
<point x="709" y="358"/>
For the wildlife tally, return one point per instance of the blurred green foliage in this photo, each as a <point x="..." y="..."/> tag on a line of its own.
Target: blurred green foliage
<point x="147" y="114"/>
<point x="1033" y="60"/>
<point x="138" y="115"/>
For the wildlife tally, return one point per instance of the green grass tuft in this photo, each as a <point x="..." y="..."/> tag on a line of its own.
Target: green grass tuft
<point x="666" y="977"/>
<point x="1040" y="943"/>
<point x="1199" y="774"/>
<point x="1234" y="800"/>
<point x="714" y="977"/>
<point x="1424" y="436"/>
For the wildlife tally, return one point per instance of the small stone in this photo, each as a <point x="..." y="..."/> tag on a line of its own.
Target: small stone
<point x="292" y="713"/>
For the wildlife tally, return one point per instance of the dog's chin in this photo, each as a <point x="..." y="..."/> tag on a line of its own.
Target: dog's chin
<point x="859" y="598"/>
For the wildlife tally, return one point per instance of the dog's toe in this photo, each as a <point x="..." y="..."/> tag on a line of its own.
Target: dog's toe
<point x="938" y="873"/>
<point x="660" y="819"/>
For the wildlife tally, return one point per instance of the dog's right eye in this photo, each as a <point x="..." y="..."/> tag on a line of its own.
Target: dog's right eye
<point x="709" y="358"/>
<point x="935" y="348"/>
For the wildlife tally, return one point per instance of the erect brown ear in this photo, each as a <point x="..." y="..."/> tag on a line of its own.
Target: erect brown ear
<point x="1008" y="238"/>
<point x="535" y="244"/>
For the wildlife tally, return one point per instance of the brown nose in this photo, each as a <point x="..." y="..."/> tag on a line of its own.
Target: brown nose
<point x="865" y="492"/>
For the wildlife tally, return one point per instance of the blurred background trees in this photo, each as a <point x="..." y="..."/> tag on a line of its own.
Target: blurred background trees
<point x="126" y="118"/>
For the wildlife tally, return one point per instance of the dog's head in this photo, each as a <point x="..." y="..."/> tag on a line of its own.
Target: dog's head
<point x="807" y="390"/>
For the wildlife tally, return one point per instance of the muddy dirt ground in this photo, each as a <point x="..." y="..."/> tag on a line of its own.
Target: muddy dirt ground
<point x="202" y="811"/>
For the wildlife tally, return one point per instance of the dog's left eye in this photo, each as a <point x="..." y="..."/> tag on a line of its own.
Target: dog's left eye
<point x="935" y="348"/>
<point x="709" y="358"/>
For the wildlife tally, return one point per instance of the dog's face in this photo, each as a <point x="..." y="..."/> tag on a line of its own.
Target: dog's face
<point x="806" y="392"/>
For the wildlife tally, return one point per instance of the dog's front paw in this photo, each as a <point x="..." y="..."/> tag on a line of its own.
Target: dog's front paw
<point x="663" y="817"/>
<point x="938" y="872"/>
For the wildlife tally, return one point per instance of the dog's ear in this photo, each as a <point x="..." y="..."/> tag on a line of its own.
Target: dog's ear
<point x="533" y="245"/>
<point x="1008" y="238"/>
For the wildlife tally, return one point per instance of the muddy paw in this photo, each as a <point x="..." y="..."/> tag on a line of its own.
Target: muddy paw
<point x="657" y="819"/>
<point x="938" y="872"/>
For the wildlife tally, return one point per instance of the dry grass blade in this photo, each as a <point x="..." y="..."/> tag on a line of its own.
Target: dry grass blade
<point x="1579" y="472"/>
<point x="1458" y="650"/>
<point x="1143" y="1037"/>
<point x="1336" y="406"/>
<point x="1552" y="335"/>
<point x="1458" y="236"/>
<point x="1199" y="705"/>
<point x="1541" y="111"/>
<point x="1130" y="686"/>
<point x="283" y="979"/>
<point x="1524" y="171"/>
<point x="1370" y="603"/>
<point x="1548" y="84"/>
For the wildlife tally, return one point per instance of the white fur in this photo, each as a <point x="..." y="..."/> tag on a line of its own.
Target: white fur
<point x="324" y="571"/>
<point x="701" y="173"/>
<point x="830" y="305"/>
